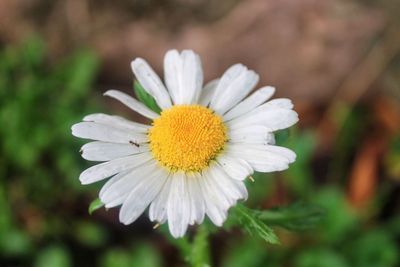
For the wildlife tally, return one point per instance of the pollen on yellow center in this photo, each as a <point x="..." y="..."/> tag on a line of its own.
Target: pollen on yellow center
<point x="187" y="137"/>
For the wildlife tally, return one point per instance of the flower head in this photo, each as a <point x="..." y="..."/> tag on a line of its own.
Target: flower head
<point x="193" y="158"/>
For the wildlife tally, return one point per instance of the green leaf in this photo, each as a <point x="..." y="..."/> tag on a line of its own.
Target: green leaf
<point x="95" y="205"/>
<point x="248" y="218"/>
<point x="296" y="217"/>
<point x="145" y="98"/>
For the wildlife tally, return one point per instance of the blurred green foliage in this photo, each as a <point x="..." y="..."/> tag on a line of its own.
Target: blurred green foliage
<point x="39" y="102"/>
<point x="44" y="219"/>
<point x="340" y="240"/>
<point x="392" y="159"/>
<point x="53" y="256"/>
<point x="143" y="255"/>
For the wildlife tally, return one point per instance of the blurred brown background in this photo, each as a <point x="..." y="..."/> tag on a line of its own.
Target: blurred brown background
<point x="307" y="48"/>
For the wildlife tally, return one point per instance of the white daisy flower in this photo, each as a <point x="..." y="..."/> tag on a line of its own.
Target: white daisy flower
<point x="194" y="157"/>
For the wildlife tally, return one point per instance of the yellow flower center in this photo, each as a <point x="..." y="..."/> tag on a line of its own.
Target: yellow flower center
<point x="187" y="137"/>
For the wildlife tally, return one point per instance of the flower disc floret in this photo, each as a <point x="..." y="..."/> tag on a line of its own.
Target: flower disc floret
<point x="187" y="137"/>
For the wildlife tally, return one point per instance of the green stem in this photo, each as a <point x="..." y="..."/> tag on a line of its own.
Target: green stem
<point x="199" y="253"/>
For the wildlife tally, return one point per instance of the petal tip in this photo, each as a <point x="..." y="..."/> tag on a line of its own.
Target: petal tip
<point x="110" y="92"/>
<point x="83" y="179"/>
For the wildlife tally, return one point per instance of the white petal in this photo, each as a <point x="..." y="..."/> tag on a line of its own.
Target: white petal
<point x="215" y="203"/>
<point x="273" y="118"/>
<point x="111" y="181"/>
<point x="178" y="208"/>
<point x="252" y="134"/>
<point x="117" y="192"/>
<point x="242" y="188"/>
<point x="197" y="206"/>
<point x="216" y="214"/>
<point x="192" y="77"/>
<point x="151" y="82"/>
<point x="117" y="121"/>
<point x="275" y="115"/>
<point x="173" y="74"/>
<point x="199" y="79"/>
<point x="283" y="151"/>
<point x="207" y="92"/>
<point x="235" y="167"/>
<point x="233" y="89"/>
<point x="102" y="151"/>
<point x="158" y="208"/>
<point x="270" y="139"/>
<point x="142" y="195"/>
<point x="263" y="158"/>
<point x="215" y="190"/>
<point x="225" y="184"/>
<point x="132" y="103"/>
<point x="107" y="169"/>
<point x="183" y="76"/>
<point x="238" y="187"/>
<point x="279" y="102"/>
<point x="250" y="103"/>
<point x="105" y="133"/>
<point x="227" y="79"/>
